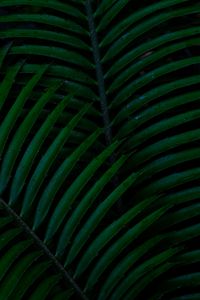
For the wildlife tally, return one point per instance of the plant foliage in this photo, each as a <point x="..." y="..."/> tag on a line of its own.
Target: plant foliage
<point x="99" y="149"/>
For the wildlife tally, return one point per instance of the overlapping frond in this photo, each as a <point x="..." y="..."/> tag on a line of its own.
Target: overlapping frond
<point x="99" y="149"/>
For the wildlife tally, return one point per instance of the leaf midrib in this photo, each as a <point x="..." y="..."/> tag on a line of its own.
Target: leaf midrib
<point x="68" y="279"/>
<point x="99" y="73"/>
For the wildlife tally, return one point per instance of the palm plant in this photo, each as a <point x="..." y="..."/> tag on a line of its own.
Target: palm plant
<point x="99" y="149"/>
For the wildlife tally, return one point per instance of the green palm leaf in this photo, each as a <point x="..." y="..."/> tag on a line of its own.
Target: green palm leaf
<point x="99" y="149"/>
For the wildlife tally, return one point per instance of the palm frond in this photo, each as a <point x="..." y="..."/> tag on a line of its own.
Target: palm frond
<point x="99" y="149"/>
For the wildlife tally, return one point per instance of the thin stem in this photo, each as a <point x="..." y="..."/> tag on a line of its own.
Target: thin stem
<point x="102" y="91"/>
<point x="99" y="73"/>
<point x="44" y="248"/>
